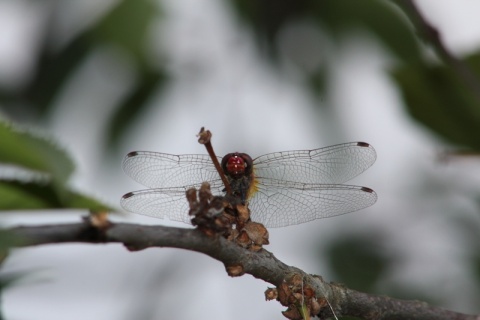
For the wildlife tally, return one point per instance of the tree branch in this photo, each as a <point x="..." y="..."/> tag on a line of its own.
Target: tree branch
<point x="262" y="265"/>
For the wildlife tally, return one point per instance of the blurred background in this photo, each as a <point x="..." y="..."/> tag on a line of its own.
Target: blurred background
<point x="85" y="82"/>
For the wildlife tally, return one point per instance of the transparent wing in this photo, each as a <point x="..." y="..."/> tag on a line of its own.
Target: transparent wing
<point x="159" y="203"/>
<point x="159" y="170"/>
<point x="293" y="186"/>
<point x="162" y="203"/>
<point x="329" y="165"/>
<point x="281" y="203"/>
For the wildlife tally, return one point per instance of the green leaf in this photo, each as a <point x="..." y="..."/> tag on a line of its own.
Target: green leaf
<point x="38" y="155"/>
<point x="357" y="262"/>
<point x="127" y="26"/>
<point x="317" y="81"/>
<point x="25" y="149"/>
<point x="379" y="18"/>
<point x="52" y="72"/>
<point x="15" y="195"/>
<point x="7" y="240"/>
<point x="438" y="99"/>
<point x="134" y="104"/>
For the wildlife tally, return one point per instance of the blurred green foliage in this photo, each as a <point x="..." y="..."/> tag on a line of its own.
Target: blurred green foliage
<point x="434" y="94"/>
<point x="267" y="19"/>
<point x="27" y="150"/>
<point x="358" y="261"/>
<point x="126" y="27"/>
<point x="43" y="170"/>
<point x="436" y="97"/>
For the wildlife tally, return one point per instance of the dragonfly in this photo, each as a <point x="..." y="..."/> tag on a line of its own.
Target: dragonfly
<point x="281" y="188"/>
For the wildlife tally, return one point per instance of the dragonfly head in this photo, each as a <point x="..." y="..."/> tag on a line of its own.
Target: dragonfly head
<point x="237" y="165"/>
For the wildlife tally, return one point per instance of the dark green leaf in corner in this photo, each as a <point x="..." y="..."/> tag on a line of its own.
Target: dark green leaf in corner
<point x="438" y="99"/>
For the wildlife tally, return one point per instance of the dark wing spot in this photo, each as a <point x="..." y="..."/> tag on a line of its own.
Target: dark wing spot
<point x="367" y="190"/>
<point x="363" y="144"/>
<point x="128" y="195"/>
<point x="132" y="154"/>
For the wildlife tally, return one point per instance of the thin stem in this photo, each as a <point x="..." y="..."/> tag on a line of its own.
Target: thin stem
<point x="204" y="137"/>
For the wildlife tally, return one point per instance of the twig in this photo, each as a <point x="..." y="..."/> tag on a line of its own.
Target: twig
<point x="262" y="265"/>
<point x="204" y="138"/>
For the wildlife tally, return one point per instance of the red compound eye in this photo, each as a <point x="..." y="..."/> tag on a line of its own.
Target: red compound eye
<point x="235" y="165"/>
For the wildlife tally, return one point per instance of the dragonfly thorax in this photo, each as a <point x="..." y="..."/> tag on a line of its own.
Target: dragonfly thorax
<point x="241" y="188"/>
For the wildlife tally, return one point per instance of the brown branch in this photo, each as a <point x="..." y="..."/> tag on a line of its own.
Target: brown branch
<point x="262" y="265"/>
<point x="432" y="35"/>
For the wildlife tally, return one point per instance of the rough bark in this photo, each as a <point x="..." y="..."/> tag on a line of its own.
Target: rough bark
<point x="262" y="265"/>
